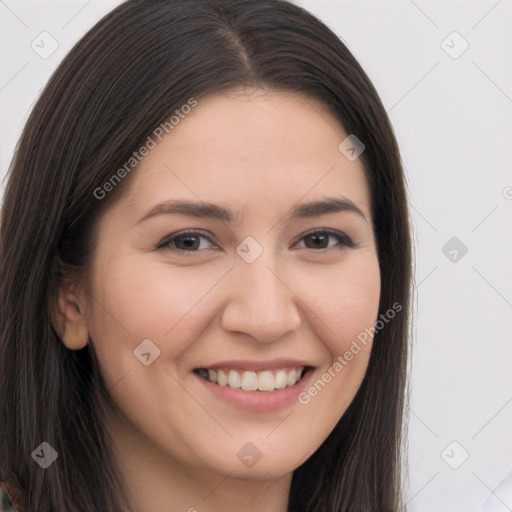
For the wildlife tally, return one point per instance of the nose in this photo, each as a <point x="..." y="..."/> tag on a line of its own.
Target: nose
<point x="261" y="303"/>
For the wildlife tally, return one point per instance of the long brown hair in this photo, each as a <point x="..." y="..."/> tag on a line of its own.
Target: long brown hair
<point x="127" y="75"/>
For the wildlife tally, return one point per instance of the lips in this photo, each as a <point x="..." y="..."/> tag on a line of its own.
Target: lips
<point x="259" y="387"/>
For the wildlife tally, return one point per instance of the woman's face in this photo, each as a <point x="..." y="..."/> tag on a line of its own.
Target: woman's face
<point x="276" y="278"/>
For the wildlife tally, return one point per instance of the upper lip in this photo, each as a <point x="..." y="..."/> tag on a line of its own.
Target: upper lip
<point x="256" y="366"/>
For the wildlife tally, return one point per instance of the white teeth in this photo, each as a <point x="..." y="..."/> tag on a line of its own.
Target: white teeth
<point x="234" y="379"/>
<point x="291" y="378"/>
<point x="280" y="379"/>
<point x="266" y="380"/>
<point x="222" y="378"/>
<point x="249" y="381"/>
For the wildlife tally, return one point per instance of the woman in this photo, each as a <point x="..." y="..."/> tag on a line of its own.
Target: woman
<point x="205" y="272"/>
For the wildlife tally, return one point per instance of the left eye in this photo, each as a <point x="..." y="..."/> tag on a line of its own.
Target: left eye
<point x="194" y="241"/>
<point x="320" y="240"/>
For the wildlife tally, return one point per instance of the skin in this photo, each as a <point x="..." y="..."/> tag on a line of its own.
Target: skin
<point x="258" y="153"/>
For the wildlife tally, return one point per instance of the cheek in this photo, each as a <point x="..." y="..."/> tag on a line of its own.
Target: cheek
<point x="345" y="302"/>
<point x="344" y="298"/>
<point x="133" y="301"/>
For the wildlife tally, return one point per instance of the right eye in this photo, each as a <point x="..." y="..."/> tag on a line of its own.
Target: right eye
<point x="186" y="242"/>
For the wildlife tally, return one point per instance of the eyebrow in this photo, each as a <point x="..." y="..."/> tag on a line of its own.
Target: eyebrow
<point x="201" y="209"/>
<point x="323" y="207"/>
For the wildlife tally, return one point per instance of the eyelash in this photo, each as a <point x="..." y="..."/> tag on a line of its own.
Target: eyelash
<point x="167" y="242"/>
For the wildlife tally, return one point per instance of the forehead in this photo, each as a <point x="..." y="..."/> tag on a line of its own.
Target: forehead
<point x="250" y="148"/>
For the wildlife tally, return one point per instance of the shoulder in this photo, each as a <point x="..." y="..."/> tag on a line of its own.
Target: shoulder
<point x="5" y="500"/>
<point x="6" y="503"/>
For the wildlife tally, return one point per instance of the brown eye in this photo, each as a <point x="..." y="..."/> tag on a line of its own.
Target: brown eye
<point x="322" y="240"/>
<point x="317" y="241"/>
<point x="187" y="242"/>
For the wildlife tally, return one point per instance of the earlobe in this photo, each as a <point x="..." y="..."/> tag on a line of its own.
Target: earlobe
<point x="72" y="325"/>
<point x="75" y="335"/>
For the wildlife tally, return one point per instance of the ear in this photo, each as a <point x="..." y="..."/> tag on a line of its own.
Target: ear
<point x="70" y="318"/>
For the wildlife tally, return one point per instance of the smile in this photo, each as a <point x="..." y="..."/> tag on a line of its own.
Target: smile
<point x="265" y="380"/>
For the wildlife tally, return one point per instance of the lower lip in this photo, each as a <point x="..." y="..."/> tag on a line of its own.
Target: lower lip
<point x="258" y="401"/>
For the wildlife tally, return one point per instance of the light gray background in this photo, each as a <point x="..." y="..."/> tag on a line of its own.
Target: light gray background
<point x="453" y="121"/>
